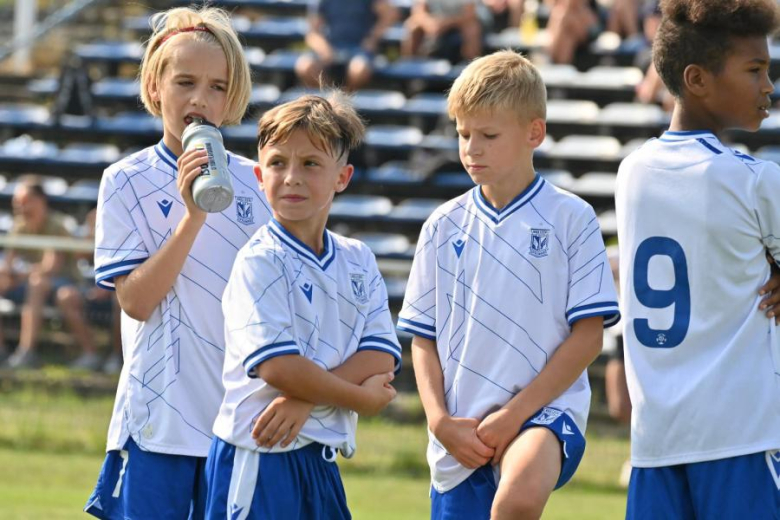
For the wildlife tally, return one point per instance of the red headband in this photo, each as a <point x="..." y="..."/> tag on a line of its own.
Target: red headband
<point x="198" y="28"/>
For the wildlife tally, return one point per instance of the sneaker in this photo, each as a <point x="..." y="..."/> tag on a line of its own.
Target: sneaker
<point x="87" y="361"/>
<point x="113" y="364"/>
<point x="23" y="358"/>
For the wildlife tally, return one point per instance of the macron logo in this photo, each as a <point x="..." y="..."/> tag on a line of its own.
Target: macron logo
<point x="165" y="206"/>
<point x="307" y="290"/>
<point x="235" y="512"/>
<point x="459" y="245"/>
<point x="567" y="429"/>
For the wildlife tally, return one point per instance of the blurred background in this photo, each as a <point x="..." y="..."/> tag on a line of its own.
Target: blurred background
<point x="69" y="107"/>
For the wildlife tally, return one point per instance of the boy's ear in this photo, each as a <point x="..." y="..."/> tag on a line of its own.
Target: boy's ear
<point x="154" y="92"/>
<point x="259" y="174"/>
<point x="696" y="79"/>
<point x="537" y="131"/>
<point x="345" y="175"/>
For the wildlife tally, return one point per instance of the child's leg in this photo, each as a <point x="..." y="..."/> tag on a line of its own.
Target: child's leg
<point x="530" y="469"/>
<point x="139" y="484"/>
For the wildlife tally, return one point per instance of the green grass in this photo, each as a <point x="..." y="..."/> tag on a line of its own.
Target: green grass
<point x="52" y="442"/>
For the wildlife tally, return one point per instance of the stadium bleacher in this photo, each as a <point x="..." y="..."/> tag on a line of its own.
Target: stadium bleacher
<point x="408" y="164"/>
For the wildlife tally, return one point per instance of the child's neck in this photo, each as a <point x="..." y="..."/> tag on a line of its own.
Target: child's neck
<point x="502" y="193"/>
<point x="309" y="232"/>
<point x="173" y="144"/>
<point x="686" y="118"/>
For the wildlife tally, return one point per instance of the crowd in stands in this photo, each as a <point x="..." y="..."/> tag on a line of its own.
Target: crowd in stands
<point x="344" y="40"/>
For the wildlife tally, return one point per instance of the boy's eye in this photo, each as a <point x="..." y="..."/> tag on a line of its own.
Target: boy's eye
<point x="219" y="88"/>
<point x="311" y="163"/>
<point x="491" y="136"/>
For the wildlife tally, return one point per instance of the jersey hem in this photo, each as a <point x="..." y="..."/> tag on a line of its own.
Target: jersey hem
<point x="706" y="456"/>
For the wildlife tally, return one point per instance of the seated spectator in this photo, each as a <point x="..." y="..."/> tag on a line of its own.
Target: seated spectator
<point x="623" y="18"/>
<point x="572" y="23"/>
<point x="32" y="276"/>
<point x="344" y="34"/>
<point x="74" y="301"/>
<point x="506" y="13"/>
<point x="449" y="29"/>
<point x="652" y="89"/>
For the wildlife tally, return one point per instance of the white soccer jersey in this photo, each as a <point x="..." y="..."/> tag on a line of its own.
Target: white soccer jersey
<point x="498" y="291"/>
<point x="171" y="383"/>
<point x="283" y="299"/>
<point x="695" y="219"/>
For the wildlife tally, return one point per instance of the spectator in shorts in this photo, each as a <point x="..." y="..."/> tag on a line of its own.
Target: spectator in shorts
<point x="32" y="276"/>
<point x="450" y="29"/>
<point x="344" y="34"/>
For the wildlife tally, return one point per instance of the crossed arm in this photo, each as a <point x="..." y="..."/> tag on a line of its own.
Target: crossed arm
<point x="361" y="383"/>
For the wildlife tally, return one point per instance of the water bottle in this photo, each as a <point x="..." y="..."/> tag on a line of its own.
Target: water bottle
<point x="212" y="190"/>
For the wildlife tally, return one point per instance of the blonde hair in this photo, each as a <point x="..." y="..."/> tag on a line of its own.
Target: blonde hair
<point x="504" y="81"/>
<point x="331" y="123"/>
<point x="208" y="25"/>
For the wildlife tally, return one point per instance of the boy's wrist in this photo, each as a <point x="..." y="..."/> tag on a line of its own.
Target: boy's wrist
<point x="437" y="421"/>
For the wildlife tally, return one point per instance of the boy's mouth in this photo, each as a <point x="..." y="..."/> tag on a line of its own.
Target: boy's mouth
<point x="189" y="118"/>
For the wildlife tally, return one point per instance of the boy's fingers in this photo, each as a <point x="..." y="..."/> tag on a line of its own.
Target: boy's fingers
<point x="261" y="422"/>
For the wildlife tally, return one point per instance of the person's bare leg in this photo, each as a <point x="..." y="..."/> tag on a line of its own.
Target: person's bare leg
<point x="530" y="468"/>
<point x="308" y="70"/>
<point x="71" y="305"/>
<point x="359" y="73"/>
<point x="471" y="34"/>
<point x="410" y="45"/>
<point x="38" y="289"/>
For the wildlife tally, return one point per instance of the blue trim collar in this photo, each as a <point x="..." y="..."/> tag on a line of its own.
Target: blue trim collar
<point x="498" y="215"/>
<point x="671" y="135"/>
<point x="322" y="261"/>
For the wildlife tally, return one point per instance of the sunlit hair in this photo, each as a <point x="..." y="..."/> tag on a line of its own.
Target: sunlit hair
<point x="330" y="122"/>
<point x="33" y="184"/>
<point x="208" y="25"/>
<point x="701" y="32"/>
<point x="502" y="81"/>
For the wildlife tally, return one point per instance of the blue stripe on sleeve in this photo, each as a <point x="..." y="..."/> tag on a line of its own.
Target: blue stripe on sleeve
<point x="382" y="345"/>
<point x="283" y="348"/>
<point x="418" y="329"/>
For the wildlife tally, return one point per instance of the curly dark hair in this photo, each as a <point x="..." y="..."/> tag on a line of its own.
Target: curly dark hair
<point x="701" y="32"/>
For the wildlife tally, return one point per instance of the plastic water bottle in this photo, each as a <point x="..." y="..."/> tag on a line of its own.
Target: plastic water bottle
<point x="212" y="190"/>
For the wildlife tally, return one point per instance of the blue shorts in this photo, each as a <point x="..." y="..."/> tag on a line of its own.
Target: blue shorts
<point x="735" y="488"/>
<point x="473" y="498"/>
<point x="302" y="484"/>
<point x="142" y="485"/>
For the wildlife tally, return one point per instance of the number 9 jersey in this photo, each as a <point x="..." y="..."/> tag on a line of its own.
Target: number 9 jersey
<point x="695" y="221"/>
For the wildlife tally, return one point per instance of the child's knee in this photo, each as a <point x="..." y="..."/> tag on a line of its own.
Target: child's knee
<point x="522" y="504"/>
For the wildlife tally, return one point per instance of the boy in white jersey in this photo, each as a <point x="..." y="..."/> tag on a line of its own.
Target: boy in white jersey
<point x="310" y="341"/>
<point x="169" y="263"/>
<point x="509" y="291"/>
<point x="695" y="222"/>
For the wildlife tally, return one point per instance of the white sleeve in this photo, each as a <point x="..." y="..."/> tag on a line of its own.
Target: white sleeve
<point x="418" y="313"/>
<point x="767" y="208"/>
<point x="258" y="314"/>
<point x="379" y="333"/>
<point x="119" y="247"/>
<point x="591" y="287"/>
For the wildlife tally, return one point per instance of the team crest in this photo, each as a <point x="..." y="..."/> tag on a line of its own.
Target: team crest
<point x="358" y="283"/>
<point x="540" y="241"/>
<point x="244" y="213"/>
<point x="547" y="416"/>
